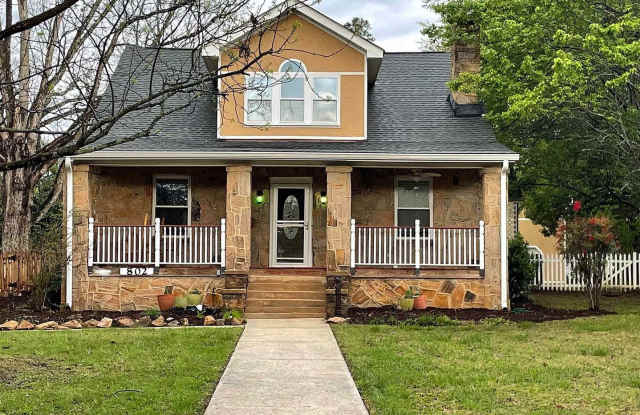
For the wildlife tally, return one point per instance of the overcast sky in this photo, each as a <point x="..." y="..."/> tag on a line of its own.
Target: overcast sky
<point x="396" y="23"/>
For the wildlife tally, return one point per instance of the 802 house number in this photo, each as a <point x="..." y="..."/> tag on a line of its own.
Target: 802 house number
<point x="136" y="271"/>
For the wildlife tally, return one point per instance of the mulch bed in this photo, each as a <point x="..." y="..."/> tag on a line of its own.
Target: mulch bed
<point x="18" y="308"/>
<point x="520" y="312"/>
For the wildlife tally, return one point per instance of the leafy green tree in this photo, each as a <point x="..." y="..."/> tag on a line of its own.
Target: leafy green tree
<point x="560" y="80"/>
<point x="361" y="27"/>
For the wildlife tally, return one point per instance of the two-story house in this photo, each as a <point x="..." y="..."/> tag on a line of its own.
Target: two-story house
<point x="330" y="159"/>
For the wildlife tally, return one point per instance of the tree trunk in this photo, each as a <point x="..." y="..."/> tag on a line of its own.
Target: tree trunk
<point x="17" y="211"/>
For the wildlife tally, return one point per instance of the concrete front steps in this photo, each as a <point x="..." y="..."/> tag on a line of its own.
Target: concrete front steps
<point x="286" y="296"/>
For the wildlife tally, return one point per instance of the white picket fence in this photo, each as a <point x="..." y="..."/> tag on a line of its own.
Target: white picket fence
<point x="555" y="273"/>
<point x="156" y="244"/>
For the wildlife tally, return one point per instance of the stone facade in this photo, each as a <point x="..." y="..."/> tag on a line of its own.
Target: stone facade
<point x="115" y="293"/>
<point x="338" y="218"/>
<point x="238" y="240"/>
<point x="465" y="58"/>
<point x="81" y="213"/>
<point x="491" y="217"/>
<point x="440" y="293"/>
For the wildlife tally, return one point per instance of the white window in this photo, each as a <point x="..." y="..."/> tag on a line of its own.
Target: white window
<point x="171" y="200"/>
<point x="258" y="99"/>
<point x="293" y="96"/>
<point x="413" y="201"/>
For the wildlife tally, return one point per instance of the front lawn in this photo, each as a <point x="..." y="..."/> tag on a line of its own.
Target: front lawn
<point x="586" y="365"/>
<point x="112" y="371"/>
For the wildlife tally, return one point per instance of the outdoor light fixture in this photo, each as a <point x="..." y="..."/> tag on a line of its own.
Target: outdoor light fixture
<point x="259" y="199"/>
<point x="321" y="199"/>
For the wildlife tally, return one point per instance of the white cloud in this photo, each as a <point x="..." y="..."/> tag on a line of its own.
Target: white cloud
<point x="396" y="23"/>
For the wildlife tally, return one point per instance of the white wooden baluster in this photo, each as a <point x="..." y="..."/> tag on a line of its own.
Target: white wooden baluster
<point x="417" y="236"/>
<point x="90" y="253"/>
<point x="157" y="243"/>
<point x="481" y="245"/>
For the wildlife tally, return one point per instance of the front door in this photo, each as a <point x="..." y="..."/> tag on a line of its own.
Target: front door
<point x="290" y="225"/>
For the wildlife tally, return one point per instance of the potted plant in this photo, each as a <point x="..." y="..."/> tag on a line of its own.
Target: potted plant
<point x="166" y="300"/>
<point x="406" y="302"/>
<point x="227" y="317"/>
<point x="180" y="301"/>
<point x="194" y="297"/>
<point x="420" y="300"/>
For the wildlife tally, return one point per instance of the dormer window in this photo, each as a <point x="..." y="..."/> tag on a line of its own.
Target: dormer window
<point x="293" y="97"/>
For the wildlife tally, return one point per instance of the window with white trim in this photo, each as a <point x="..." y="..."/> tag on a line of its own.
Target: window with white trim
<point x="171" y="200"/>
<point x="293" y="96"/>
<point x="413" y="201"/>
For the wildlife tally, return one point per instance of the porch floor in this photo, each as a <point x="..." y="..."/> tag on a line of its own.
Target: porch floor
<point x="286" y="367"/>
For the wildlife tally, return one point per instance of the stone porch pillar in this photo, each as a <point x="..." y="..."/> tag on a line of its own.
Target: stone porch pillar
<point x="81" y="214"/>
<point x="491" y="217"/>
<point x="338" y="218"/>
<point x="238" y="241"/>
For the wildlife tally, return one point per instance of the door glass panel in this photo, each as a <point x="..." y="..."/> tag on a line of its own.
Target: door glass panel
<point x="290" y="223"/>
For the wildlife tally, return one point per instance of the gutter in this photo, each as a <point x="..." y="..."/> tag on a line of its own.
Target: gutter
<point x="302" y="155"/>
<point x="69" y="233"/>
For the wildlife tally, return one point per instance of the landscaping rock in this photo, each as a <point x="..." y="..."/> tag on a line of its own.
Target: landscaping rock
<point x="159" y="322"/>
<point x="143" y="321"/>
<point x="47" y="325"/>
<point x="9" y="325"/>
<point x="169" y="319"/>
<point x="72" y="324"/>
<point x="185" y="321"/>
<point x="220" y="322"/>
<point x="336" y="320"/>
<point x="236" y="322"/>
<point x="92" y="323"/>
<point x="105" y="323"/>
<point x="61" y="327"/>
<point x="125" y="322"/>
<point x="173" y="323"/>
<point x="25" y="325"/>
<point x="209" y="321"/>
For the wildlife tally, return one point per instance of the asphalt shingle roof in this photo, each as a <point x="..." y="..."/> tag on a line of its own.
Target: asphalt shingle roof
<point x="408" y="113"/>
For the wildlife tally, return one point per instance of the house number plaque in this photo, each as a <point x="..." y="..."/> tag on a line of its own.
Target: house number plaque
<point x="136" y="271"/>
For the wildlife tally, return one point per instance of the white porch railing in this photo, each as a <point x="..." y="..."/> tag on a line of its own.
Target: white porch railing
<point x="156" y="244"/>
<point x="398" y="246"/>
<point x="554" y="273"/>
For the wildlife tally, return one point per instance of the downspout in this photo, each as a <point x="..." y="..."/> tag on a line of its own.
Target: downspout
<point x="504" y="280"/>
<point x="69" y="233"/>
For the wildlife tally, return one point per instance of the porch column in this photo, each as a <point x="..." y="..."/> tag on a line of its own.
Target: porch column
<point x="238" y="240"/>
<point x="338" y="218"/>
<point x="491" y="216"/>
<point x="81" y="211"/>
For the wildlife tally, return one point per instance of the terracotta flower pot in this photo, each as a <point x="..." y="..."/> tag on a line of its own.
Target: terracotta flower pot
<point x="180" y="301"/>
<point x="420" y="302"/>
<point x="194" y="299"/>
<point x="405" y="304"/>
<point x="166" y="301"/>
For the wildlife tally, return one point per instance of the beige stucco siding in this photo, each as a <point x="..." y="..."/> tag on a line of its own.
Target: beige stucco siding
<point x="319" y="51"/>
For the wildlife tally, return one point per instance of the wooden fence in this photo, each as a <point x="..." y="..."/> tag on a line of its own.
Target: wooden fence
<point x="17" y="272"/>
<point x="555" y="273"/>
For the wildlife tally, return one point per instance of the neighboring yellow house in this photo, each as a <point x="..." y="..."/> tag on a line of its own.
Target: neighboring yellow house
<point x="330" y="159"/>
<point x="532" y="233"/>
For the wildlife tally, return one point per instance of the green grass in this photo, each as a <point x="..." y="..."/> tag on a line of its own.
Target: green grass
<point x="112" y="371"/>
<point x="581" y="366"/>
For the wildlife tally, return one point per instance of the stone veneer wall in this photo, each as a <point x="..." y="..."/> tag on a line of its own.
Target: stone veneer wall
<point x="261" y="215"/>
<point x="338" y="218"/>
<point x="238" y="242"/>
<point x="124" y="195"/>
<point x="115" y="293"/>
<point x="457" y="196"/>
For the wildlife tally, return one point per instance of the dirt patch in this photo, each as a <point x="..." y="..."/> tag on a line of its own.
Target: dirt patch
<point x="18" y="308"/>
<point x="15" y="371"/>
<point x="522" y="312"/>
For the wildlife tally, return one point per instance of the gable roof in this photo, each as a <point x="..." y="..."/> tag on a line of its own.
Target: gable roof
<point x="408" y="116"/>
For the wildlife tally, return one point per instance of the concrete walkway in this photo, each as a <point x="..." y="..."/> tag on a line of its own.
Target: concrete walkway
<point x="286" y="367"/>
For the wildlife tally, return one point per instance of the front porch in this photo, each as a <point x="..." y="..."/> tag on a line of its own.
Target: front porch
<point x="380" y="230"/>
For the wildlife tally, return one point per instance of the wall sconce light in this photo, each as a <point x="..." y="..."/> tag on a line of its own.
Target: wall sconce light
<point x="321" y="199"/>
<point x="259" y="198"/>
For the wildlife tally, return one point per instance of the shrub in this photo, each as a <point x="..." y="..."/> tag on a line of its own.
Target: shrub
<point x="522" y="268"/>
<point x="51" y="253"/>
<point x="585" y="243"/>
